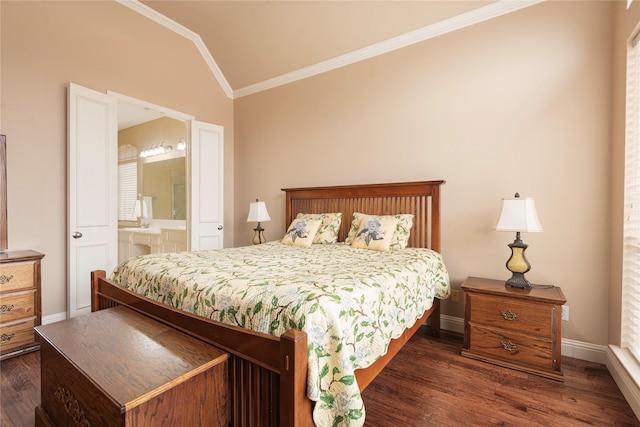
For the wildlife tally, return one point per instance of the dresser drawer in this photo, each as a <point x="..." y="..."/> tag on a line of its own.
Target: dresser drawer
<point x="17" y="335"/>
<point x="16" y="276"/>
<point x="512" y="314"/>
<point x="17" y="305"/>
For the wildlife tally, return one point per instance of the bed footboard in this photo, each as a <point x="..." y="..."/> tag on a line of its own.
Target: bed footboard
<point x="267" y="375"/>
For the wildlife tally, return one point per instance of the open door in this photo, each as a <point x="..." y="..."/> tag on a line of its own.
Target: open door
<point x="92" y="192"/>
<point x="206" y="196"/>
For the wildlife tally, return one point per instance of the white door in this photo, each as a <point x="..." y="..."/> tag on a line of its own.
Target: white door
<point x="92" y="193"/>
<point x="206" y="196"/>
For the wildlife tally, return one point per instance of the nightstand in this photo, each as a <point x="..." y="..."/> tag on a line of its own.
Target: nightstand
<point x="512" y="327"/>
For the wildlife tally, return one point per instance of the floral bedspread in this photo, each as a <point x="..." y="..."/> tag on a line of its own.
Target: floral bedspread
<point x="350" y="302"/>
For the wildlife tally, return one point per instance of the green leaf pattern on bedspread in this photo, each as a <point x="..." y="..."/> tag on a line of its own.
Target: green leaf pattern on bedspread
<point x="350" y="302"/>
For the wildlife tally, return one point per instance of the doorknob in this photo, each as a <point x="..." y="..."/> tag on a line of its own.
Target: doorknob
<point x="76" y="235"/>
<point x="220" y="227"/>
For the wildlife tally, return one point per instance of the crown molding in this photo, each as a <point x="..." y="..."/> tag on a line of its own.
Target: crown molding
<point x="493" y="10"/>
<point x="172" y="25"/>
<point x="467" y="19"/>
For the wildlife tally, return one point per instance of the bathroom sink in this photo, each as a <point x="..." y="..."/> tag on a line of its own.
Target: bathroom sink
<point x="141" y="230"/>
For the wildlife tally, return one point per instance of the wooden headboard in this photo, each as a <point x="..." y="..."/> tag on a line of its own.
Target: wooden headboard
<point x="419" y="198"/>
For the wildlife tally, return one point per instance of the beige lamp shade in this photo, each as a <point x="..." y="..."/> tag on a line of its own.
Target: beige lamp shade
<point x="258" y="212"/>
<point x="518" y="214"/>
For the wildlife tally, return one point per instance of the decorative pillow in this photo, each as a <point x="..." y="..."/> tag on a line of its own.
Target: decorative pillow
<point x="374" y="232"/>
<point x="400" y="237"/>
<point x="329" y="229"/>
<point x="301" y="232"/>
<point x="403" y="231"/>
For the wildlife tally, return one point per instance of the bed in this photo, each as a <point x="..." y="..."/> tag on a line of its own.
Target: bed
<point x="276" y="370"/>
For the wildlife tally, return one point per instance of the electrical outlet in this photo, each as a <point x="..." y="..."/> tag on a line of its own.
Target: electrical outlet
<point x="455" y="295"/>
<point x="565" y="313"/>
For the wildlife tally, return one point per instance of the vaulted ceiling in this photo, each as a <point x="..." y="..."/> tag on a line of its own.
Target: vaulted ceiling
<point x="260" y="44"/>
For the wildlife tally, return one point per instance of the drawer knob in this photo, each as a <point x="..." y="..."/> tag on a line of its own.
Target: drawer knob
<point x="508" y="345"/>
<point x="5" y="279"/>
<point x="509" y="315"/>
<point x="4" y="308"/>
<point x="4" y="338"/>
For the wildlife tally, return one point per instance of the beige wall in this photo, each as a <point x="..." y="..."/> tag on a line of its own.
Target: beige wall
<point x="103" y="46"/>
<point x="519" y="103"/>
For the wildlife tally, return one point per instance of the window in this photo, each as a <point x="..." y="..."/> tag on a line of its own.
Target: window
<point x="127" y="182"/>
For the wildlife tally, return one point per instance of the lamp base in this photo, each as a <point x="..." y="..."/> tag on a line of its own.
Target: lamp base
<point x="258" y="237"/>
<point x="517" y="280"/>
<point x="517" y="264"/>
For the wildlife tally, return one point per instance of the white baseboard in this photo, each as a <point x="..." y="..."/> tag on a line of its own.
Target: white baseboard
<point x="626" y="373"/>
<point x="453" y="324"/>
<point x="53" y="318"/>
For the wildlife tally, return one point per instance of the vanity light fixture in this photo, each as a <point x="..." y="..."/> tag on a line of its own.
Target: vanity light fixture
<point x="156" y="149"/>
<point x="258" y="213"/>
<point x="519" y="215"/>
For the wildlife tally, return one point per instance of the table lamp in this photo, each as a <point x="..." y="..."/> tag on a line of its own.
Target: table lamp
<point x="258" y="213"/>
<point x="519" y="215"/>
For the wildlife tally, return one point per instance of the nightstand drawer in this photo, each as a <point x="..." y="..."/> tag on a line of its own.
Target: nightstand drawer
<point x="16" y="276"/>
<point x="17" y="335"/>
<point x="17" y="305"/>
<point x="512" y="314"/>
<point x="512" y="347"/>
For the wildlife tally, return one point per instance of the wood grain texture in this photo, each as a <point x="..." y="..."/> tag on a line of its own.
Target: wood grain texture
<point x="20" y="302"/>
<point x="430" y="384"/>
<point x="427" y="384"/>
<point x="117" y="367"/>
<point x="514" y="327"/>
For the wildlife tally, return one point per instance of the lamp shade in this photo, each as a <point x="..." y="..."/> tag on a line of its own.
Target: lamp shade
<point x="258" y="212"/>
<point x="518" y="214"/>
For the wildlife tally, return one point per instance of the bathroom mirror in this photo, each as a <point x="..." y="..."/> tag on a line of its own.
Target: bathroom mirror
<point x="161" y="176"/>
<point x="164" y="185"/>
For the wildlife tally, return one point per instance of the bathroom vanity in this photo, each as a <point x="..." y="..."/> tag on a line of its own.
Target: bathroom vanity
<point x="134" y="241"/>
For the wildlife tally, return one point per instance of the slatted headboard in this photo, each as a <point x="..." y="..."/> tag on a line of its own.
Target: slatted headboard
<point x="419" y="198"/>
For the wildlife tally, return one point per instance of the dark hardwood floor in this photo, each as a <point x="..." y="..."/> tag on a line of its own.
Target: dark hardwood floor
<point x="427" y="384"/>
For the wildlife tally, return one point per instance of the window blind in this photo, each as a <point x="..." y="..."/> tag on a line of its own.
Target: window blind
<point x="127" y="182"/>
<point x="631" y="238"/>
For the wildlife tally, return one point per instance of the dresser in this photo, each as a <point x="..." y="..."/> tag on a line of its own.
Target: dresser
<point x="20" y="302"/>
<point x="512" y="327"/>
<point x="116" y="367"/>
